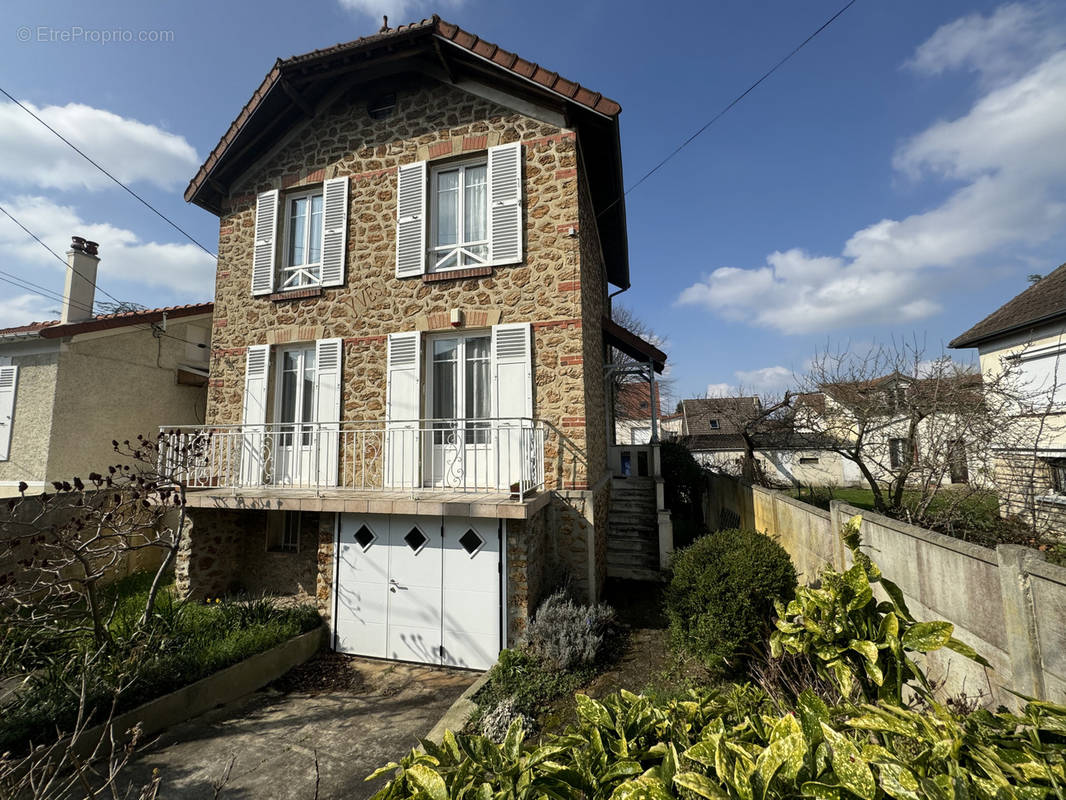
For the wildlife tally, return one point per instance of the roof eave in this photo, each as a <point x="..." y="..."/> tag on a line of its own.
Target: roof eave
<point x="966" y="341"/>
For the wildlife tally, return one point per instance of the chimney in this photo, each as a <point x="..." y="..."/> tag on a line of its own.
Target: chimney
<point x="80" y="291"/>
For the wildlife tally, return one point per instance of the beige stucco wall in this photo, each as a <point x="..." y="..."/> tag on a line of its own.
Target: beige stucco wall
<point x="555" y="288"/>
<point x="116" y="386"/>
<point x="1020" y="471"/>
<point x="32" y="421"/>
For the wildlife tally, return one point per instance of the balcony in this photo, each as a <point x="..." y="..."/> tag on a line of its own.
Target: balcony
<point x="485" y="467"/>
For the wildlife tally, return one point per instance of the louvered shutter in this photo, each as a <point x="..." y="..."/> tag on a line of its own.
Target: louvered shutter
<point x="402" y="407"/>
<point x="411" y="220"/>
<point x="334" y="230"/>
<point x="512" y="401"/>
<point x="328" y="355"/>
<point x="9" y="378"/>
<point x="253" y="430"/>
<point x="265" y="249"/>
<point x="505" y="204"/>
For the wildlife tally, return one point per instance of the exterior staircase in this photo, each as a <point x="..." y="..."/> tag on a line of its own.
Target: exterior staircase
<point x="633" y="530"/>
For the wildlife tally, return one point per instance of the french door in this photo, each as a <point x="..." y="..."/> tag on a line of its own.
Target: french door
<point x="459" y="442"/>
<point x="295" y="434"/>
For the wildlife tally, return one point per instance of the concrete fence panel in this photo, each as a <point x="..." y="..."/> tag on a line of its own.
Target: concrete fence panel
<point x="1007" y="603"/>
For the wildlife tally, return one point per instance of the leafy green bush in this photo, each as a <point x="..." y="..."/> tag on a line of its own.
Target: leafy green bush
<point x="852" y="639"/>
<point x="729" y="744"/>
<point x="564" y="634"/>
<point x="521" y="677"/>
<point x="722" y="593"/>
<point x="184" y="643"/>
<point x="683" y="481"/>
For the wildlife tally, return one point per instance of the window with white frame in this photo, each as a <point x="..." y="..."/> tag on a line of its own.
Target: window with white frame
<point x="459" y="387"/>
<point x="301" y="263"/>
<point x="459" y="218"/>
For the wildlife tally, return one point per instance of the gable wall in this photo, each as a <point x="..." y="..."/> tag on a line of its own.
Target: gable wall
<point x="547" y="289"/>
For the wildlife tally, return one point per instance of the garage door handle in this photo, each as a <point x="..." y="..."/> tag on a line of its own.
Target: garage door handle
<point x="395" y="585"/>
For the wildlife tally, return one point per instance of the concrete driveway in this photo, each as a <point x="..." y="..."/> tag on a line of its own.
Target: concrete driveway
<point x="353" y="715"/>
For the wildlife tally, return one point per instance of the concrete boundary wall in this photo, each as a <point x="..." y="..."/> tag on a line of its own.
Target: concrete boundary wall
<point x="1007" y="603"/>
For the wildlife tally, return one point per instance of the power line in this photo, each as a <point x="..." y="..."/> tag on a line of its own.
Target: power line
<point x="132" y="193"/>
<point x="61" y="260"/>
<point x="49" y="294"/>
<point x="729" y="106"/>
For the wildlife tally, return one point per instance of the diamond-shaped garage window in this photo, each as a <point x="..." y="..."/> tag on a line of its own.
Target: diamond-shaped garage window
<point x="471" y="542"/>
<point x="364" y="537"/>
<point x="415" y="539"/>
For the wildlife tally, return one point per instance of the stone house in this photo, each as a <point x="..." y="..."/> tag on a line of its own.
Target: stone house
<point x="406" y="415"/>
<point x="1020" y="346"/>
<point x="68" y="387"/>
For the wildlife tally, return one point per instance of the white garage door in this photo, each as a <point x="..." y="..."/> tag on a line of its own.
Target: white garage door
<point x="419" y="589"/>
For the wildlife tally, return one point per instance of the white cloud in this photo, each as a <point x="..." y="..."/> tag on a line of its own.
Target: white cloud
<point x="764" y="381"/>
<point x="183" y="268"/>
<point x="23" y="309"/>
<point x="132" y="151"/>
<point x="1007" y="151"/>
<point x="400" y="11"/>
<point x="1002" y="45"/>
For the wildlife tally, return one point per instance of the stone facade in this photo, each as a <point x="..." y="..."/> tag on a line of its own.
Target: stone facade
<point x="555" y="287"/>
<point x="560" y="288"/>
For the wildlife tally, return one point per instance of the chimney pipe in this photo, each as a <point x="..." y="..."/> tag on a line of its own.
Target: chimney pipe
<point x="80" y="291"/>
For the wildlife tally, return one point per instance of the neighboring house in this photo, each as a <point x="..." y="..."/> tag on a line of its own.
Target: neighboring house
<point x="407" y="412"/>
<point x="1025" y="340"/>
<point x="713" y="430"/>
<point x="71" y="386"/>
<point x="881" y="411"/>
<point x="633" y="417"/>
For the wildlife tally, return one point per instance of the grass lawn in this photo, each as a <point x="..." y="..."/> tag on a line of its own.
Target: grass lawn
<point x="185" y="642"/>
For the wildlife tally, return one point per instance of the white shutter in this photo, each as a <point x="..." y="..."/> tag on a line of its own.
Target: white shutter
<point x="402" y="405"/>
<point x="328" y="355"/>
<point x="505" y="204"/>
<point x="512" y="403"/>
<point x="411" y="220"/>
<point x="9" y="378"/>
<point x="264" y="251"/>
<point x="334" y="230"/>
<point x="253" y="430"/>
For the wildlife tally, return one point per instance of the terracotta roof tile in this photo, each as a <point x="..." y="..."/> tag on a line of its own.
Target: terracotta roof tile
<point x="54" y="328"/>
<point x="1042" y="301"/>
<point x="445" y="30"/>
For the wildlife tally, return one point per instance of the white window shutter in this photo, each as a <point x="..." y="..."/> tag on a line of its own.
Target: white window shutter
<point x="328" y="356"/>
<point x="9" y="378"/>
<point x="512" y="401"/>
<point x="334" y="230"/>
<point x="264" y="251"/>
<point x="505" y="203"/>
<point x="402" y="406"/>
<point x="411" y="220"/>
<point x="253" y="438"/>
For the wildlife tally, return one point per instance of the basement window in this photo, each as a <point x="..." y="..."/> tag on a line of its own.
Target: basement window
<point x="287" y="529"/>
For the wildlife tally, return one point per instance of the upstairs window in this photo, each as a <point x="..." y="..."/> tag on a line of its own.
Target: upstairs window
<point x="302" y="261"/>
<point x="459" y="219"/>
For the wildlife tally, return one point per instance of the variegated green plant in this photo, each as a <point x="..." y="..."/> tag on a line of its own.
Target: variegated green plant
<point x="728" y="744"/>
<point x="855" y="640"/>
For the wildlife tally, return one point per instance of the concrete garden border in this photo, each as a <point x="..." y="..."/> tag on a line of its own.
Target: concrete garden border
<point x="215" y="690"/>
<point x="459" y="713"/>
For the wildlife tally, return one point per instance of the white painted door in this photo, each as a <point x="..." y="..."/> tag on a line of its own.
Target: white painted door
<point x="362" y="590"/>
<point x="405" y="592"/>
<point x="295" y="404"/>
<point x="414" y="589"/>
<point x="471" y="593"/>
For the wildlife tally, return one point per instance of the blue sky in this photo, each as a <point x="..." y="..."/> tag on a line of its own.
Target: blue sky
<point x="901" y="176"/>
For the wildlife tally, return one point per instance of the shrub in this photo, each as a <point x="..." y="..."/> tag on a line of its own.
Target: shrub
<point x="496" y="723"/>
<point x="565" y="634"/>
<point x="722" y="593"/>
<point x="683" y="480"/>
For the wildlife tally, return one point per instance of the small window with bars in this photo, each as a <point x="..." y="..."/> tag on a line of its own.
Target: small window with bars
<point x="287" y="528"/>
<point x="1057" y="468"/>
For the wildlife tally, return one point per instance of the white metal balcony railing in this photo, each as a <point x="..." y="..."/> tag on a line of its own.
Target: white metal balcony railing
<point x="487" y="455"/>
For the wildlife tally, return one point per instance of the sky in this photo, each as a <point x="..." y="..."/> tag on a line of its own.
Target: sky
<point x="900" y="177"/>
